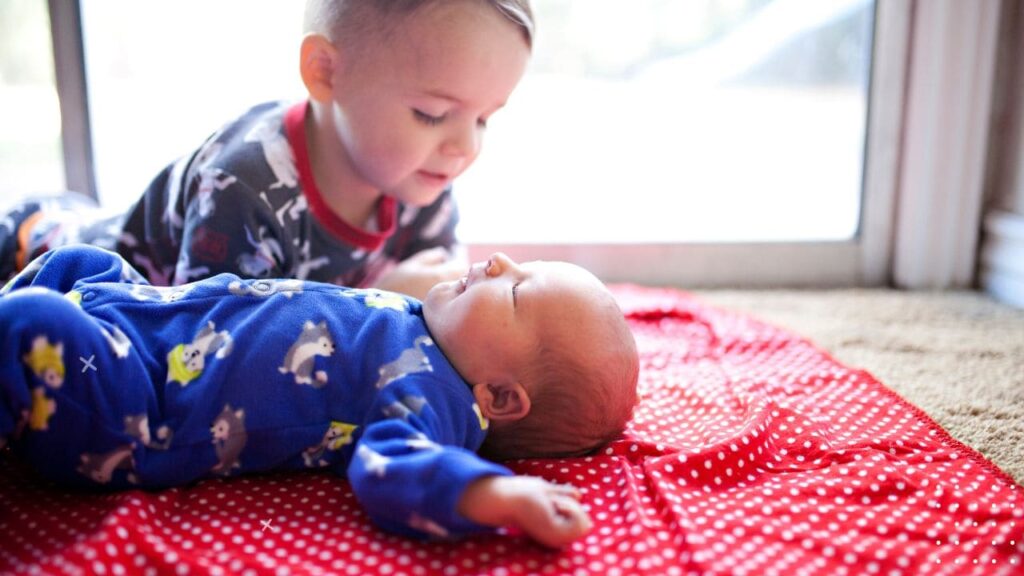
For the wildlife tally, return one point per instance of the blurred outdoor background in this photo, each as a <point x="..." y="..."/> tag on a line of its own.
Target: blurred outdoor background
<point x="641" y="121"/>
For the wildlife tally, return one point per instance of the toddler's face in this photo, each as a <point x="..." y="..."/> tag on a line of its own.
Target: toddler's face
<point x="490" y="322"/>
<point x="411" y="108"/>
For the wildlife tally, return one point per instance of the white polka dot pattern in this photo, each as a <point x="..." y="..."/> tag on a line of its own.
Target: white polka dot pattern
<point x="752" y="452"/>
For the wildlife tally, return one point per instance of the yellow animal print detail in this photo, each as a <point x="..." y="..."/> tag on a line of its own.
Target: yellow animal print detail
<point x="480" y="416"/>
<point x="42" y="409"/>
<point x="344" y="434"/>
<point x="46" y="362"/>
<point x="380" y="299"/>
<point x="177" y="367"/>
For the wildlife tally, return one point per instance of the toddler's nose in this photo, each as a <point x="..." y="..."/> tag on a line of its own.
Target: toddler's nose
<point x="463" y="142"/>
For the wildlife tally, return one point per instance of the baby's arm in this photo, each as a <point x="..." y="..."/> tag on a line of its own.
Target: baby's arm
<point x="410" y="484"/>
<point x="549" y="513"/>
<point x="415" y="473"/>
<point x="414" y="458"/>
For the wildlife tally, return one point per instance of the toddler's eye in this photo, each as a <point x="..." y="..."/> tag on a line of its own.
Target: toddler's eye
<point x="482" y="122"/>
<point x="427" y="118"/>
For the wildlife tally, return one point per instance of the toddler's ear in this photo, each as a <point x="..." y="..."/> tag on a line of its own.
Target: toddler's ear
<point x="506" y="401"/>
<point x="318" y="61"/>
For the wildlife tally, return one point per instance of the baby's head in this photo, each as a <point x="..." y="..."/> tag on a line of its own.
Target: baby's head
<point x="546" y="350"/>
<point x="401" y="91"/>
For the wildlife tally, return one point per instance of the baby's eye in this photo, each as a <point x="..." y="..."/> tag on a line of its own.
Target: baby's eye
<point x="428" y="119"/>
<point x="515" y="294"/>
<point x="482" y="122"/>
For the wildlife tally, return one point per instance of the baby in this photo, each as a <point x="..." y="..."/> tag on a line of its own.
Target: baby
<point x="118" y="383"/>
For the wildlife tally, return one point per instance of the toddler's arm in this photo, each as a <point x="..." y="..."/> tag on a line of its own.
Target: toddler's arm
<point x="549" y="513"/>
<point x="418" y="273"/>
<point x="429" y="251"/>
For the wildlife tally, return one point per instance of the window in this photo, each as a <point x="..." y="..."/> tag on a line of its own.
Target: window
<point x="695" y="142"/>
<point x="684" y="121"/>
<point x="30" y="141"/>
<point x="165" y="74"/>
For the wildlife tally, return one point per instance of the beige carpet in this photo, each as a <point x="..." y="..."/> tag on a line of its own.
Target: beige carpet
<point x="957" y="355"/>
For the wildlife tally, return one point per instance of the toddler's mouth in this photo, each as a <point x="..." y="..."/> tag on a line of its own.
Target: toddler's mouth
<point x="433" y="177"/>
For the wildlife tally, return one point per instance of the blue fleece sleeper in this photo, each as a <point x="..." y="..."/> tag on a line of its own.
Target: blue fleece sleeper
<point x="109" y="381"/>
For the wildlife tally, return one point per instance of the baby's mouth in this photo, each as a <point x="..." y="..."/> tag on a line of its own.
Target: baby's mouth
<point x="475" y="273"/>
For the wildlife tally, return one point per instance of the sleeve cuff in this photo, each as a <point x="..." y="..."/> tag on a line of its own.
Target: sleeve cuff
<point x="465" y="469"/>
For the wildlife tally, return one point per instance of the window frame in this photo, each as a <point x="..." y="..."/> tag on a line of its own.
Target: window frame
<point x="69" y="74"/>
<point x="864" y="260"/>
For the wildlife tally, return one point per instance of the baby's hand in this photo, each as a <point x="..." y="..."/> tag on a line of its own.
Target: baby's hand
<point x="418" y="273"/>
<point x="549" y="513"/>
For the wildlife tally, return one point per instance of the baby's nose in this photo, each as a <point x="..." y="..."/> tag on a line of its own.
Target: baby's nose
<point x="497" y="264"/>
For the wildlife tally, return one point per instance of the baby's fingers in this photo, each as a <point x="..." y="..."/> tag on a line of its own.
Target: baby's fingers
<point x="562" y="521"/>
<point x="563" y="490"/>
<point x="572" y="515"/>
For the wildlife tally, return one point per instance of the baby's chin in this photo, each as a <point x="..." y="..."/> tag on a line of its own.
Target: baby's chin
<point x="438" y="293"/>
<point x="434" y="300"/>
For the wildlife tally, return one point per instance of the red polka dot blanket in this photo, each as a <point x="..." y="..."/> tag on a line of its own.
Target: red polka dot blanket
<point x="752" y="452"/>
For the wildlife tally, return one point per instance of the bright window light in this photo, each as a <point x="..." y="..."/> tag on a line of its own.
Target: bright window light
<point x="642" y="121"/>
<point x="165" y="74"/>
<point x="680" y="121"/>
<point x="31" y="161"/>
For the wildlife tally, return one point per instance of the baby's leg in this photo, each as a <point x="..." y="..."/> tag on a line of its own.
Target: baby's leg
<point x="63" y="268"/>
<point x="67" y="386"/>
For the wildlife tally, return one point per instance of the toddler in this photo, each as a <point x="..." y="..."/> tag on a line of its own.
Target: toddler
<point x="110" y="381"/>
<point x="351" y="186"/>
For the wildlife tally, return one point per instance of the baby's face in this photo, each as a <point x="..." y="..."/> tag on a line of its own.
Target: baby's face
<point x="411" y="109"/>
<point x="490" y="322"/>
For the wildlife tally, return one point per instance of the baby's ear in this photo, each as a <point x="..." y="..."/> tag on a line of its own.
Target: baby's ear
<point x="318" y="61"/>
<point x="506" y="401"/>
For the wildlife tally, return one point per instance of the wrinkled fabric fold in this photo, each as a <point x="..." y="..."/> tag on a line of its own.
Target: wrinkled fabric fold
<point x="752" y="451"/>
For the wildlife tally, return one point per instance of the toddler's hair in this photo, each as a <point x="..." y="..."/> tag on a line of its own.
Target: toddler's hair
<point x="583" y="399"/>
<point x="348" y="19"/>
